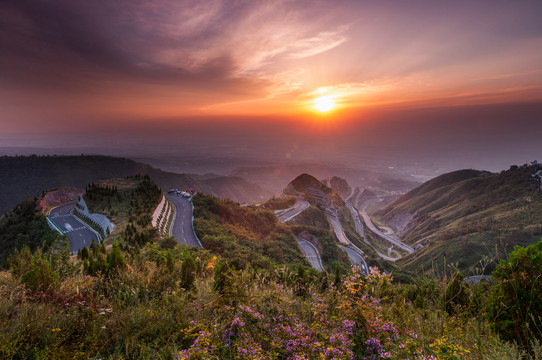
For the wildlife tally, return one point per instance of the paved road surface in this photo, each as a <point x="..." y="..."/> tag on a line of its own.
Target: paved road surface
<point x="357" y="220"/>
<point x="182" y="228"/>
<point x="79" y="234"/>
<point x="337" y="227"/>
<point x="360" y="230"/>
<point x="295" y="210"/>
<point x="350" y="194"/>
<point x="373" y="228"/>
<point x="311" y="254"/>
<point x="356" y="259"/>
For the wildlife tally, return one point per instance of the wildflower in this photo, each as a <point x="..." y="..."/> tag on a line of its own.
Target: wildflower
<point x="211" y="263"/>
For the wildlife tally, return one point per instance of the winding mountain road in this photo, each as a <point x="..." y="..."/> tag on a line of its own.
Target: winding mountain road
<point x="79" y="233"/>
<point x="339" y="231"/>
<point x="311" y="253"/>
<point x="356" y="259"/>
<point x="355" y="256"/>
<point x="357" y="220"/>
<point x="377" y="231"/>
<point x="182" y="227"/>
<point x="361" y="231"/>
<point x="290" y="213"/>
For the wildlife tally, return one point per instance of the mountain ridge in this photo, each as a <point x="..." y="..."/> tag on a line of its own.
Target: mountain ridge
<point x="464" y="216"/>
<point x="30" y="175"/>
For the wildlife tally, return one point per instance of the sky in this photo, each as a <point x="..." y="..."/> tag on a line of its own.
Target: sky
<point x="452" y="81"/>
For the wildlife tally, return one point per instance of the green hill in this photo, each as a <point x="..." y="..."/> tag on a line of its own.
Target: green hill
<point x="30" y="175"/>
<point x="243" y="235"/>
<point x="277" y="203"/>
<point x="465" y="216"/>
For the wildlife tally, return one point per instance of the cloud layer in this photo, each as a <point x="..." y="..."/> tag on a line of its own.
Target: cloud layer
<point x="71" y="63"/>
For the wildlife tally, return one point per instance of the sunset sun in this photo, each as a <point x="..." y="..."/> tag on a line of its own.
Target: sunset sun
<point x="324" y="103"/>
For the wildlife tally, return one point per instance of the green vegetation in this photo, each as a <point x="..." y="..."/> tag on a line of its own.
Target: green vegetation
<point x="97" y="261"/>
<point x="25" y="225"/>
<point x="24" y="175"/>
<point x="244" y="236"/>
<point x="277" y="203"/>
<point x="515" y="304"/>
<point x="332" y="255"/>
<point x="312" y="216"/>
<point x="181" y="303"/>
<point x="128" y="203"/>
<point x="465" y="216"/>
<point x="251" y="294"/>
<point x="144" y="200"/>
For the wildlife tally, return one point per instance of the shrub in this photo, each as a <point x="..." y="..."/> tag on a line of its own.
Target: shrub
<point x="188" y="273"/>
<point x="455" y="294"/>
<point x="115" y="259"/>
<point x="515" y="304"/>
<point x="35" y="270"/>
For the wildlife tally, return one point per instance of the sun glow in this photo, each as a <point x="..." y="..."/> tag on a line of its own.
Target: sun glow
<point x="324" y="103"/>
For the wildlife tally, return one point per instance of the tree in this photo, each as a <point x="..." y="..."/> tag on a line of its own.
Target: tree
<point x="115" y="259"/>
<point x="168" y="242"/>
<point x="222" y="277"/>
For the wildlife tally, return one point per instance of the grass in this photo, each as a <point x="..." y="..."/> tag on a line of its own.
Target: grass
<point x="141" y="312"/>
<point x="467" y="215"/>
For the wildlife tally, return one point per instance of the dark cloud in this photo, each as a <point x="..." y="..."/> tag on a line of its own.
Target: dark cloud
<point x="66" y="45"/>
<point x="69" y="66"/>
